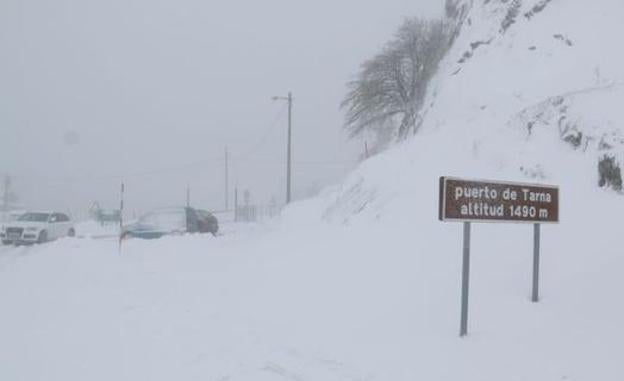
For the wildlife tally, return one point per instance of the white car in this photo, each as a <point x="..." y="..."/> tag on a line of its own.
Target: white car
<point x="37" y="227"/>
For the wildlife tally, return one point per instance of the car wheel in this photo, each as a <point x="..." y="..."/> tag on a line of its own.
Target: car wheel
<point x="43" y="237"/>
<point x="71" y="233"/>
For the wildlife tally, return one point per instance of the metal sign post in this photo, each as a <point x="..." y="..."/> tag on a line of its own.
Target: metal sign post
<point x="536" y="262"/>
<point x="470" y="201"/>
<point x="463" y="329"/>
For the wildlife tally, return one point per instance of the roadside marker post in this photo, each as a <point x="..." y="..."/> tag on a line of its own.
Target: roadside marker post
<point x="121" y="208"/>
<point x="471" y="201"/>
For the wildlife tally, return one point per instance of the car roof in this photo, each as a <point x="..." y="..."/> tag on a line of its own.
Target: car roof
<point x="44" y="212"/>
<point x="168" y="209"/>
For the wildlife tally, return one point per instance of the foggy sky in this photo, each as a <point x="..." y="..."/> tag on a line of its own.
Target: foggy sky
<point x="151" y="92"/>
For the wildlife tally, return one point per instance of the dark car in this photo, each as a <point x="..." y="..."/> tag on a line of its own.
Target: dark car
<point x="208" y="223"/>
<point x="171" y="221"/>
<point x="107" y="216"/>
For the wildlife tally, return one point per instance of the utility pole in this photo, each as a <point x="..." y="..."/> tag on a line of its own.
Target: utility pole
<point x="188" y="196"/>
<point x="288" y="169"/>
<point x="236" y="203"/>
<point x="289" y="99"/>
<point x="227" y="191"/>
<point x="7" y="193"/>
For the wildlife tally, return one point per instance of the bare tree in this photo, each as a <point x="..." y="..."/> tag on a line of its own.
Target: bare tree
<point x="391" y="87"/>
<point x="451" y="8"/>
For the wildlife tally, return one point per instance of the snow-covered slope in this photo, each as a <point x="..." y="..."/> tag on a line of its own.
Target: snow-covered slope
<point x="525" y="83"/>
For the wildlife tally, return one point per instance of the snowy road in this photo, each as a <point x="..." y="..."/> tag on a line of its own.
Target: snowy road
<point x="176" y="308"/>
<point x="309" y="303"/>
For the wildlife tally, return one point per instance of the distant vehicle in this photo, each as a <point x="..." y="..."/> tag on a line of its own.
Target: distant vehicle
<point x="208" y="223"/>
<point x="172" y="221"/>
<point x="37" y="227"/>
<point x="108" y="216"/>
<point x="104" y="216"/>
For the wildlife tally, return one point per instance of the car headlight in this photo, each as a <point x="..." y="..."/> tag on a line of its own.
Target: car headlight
<point x="32" y="229"/>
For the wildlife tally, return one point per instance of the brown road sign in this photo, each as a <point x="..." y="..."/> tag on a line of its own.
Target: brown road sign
<point x="493" y="201"/>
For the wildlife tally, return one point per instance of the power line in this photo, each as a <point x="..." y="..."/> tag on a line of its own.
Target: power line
<point x="267" y="132"/>
<point x="246" y="156"/>
<point x="265" y="162"/>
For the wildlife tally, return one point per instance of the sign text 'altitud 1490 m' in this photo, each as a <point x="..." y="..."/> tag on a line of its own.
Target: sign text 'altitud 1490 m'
<point x="475" y="200"/>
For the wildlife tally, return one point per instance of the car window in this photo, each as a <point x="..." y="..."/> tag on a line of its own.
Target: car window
<point x="165" y="219"/>
<point x="62" y="217"/>
<point x="34" y="217"/>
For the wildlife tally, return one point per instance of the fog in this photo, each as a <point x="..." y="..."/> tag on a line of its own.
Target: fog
<point x="150" y="93"/>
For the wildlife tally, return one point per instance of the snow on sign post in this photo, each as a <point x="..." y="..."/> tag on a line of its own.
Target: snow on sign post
<point x="469" y="201"/>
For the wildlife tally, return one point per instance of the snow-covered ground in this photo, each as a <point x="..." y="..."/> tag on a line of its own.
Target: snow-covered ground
<point x="300" y="300"/>
<point x="363" y="282"/>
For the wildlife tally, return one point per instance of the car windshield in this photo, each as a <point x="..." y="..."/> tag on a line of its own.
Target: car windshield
<point x="165" y="220"/>
<point x="34" y="217"/>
